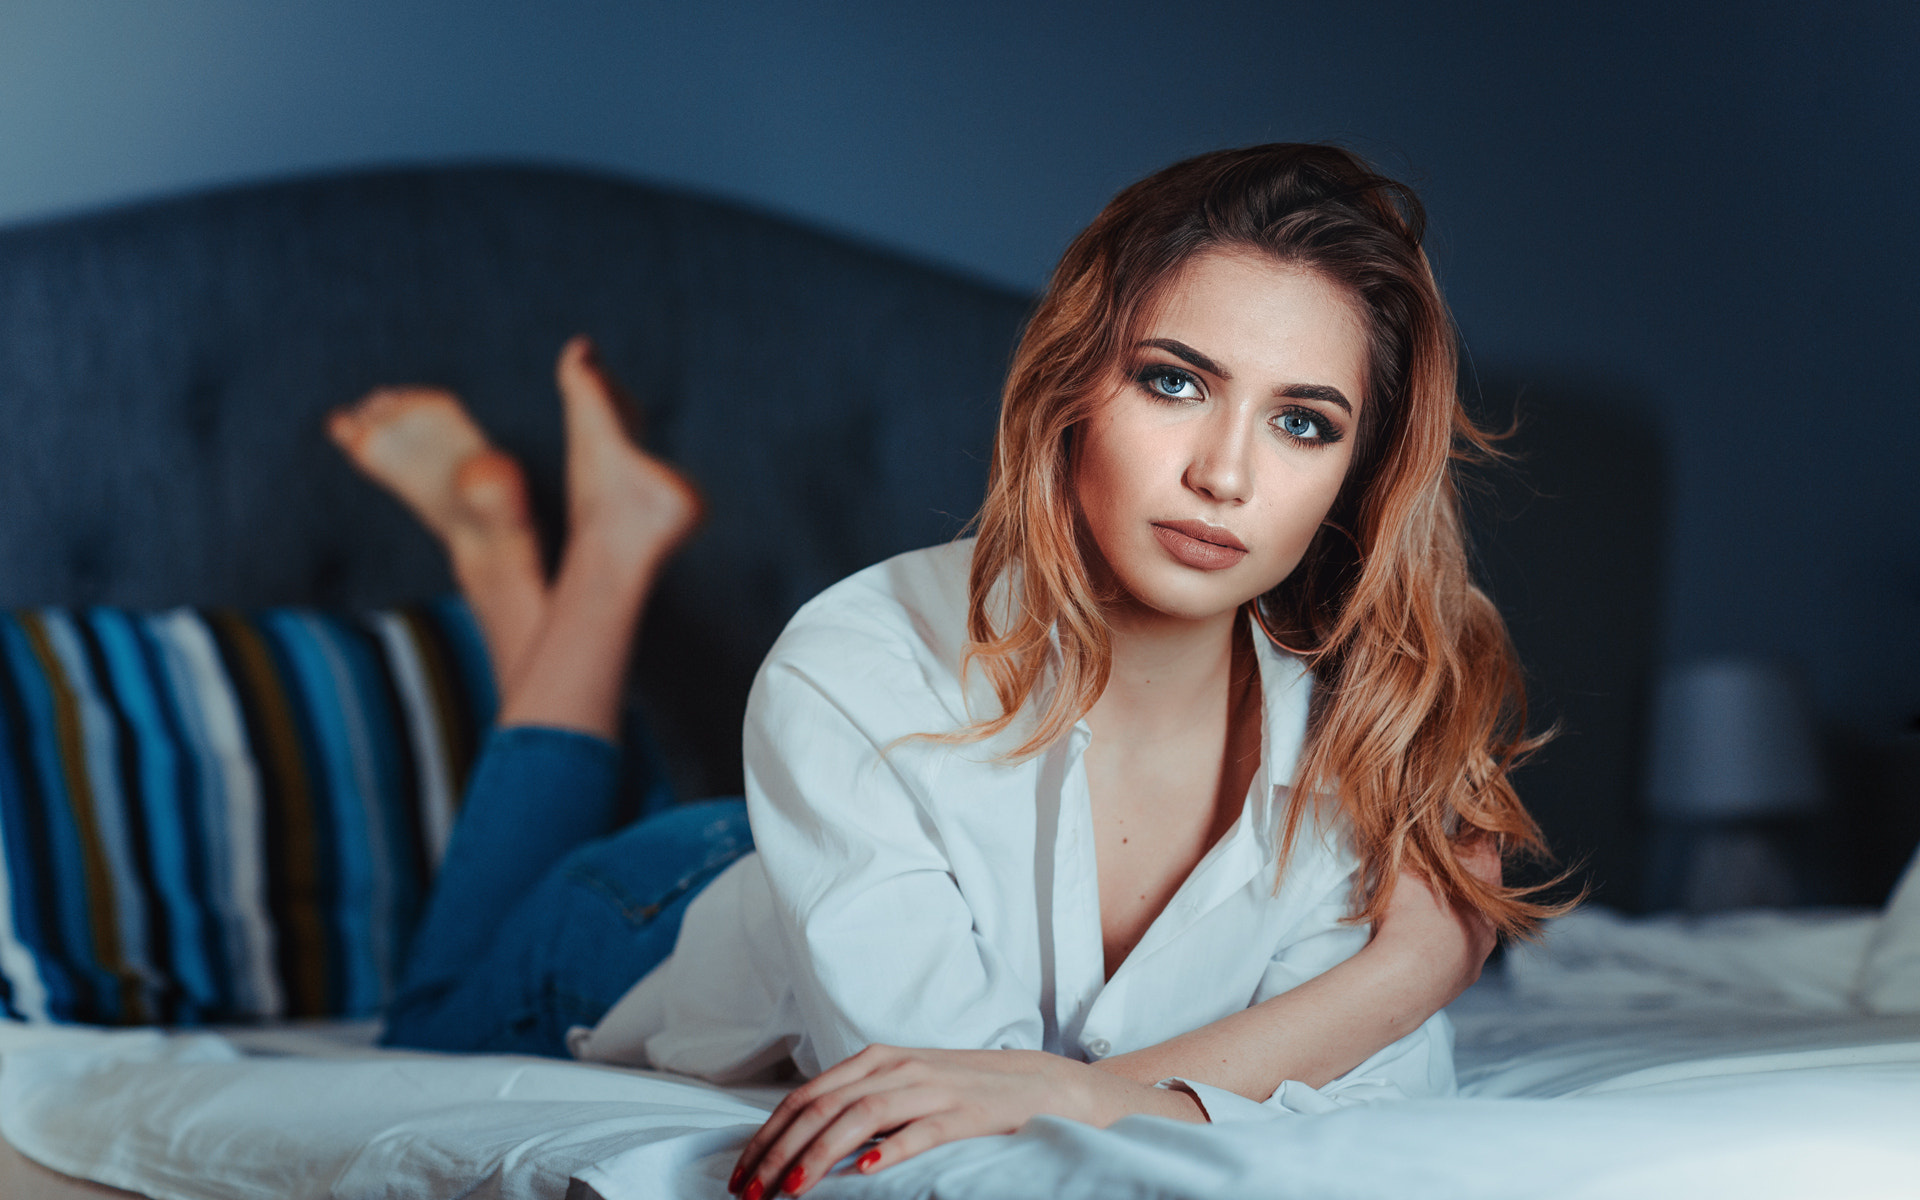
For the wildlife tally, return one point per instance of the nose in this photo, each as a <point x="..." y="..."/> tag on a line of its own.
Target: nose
<point x="1220" y="466"/>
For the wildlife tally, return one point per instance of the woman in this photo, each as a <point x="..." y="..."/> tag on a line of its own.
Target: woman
<point x="1055" y="820"/>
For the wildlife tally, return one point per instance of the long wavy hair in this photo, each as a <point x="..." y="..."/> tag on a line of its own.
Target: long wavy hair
<point x="1419" y="710"/>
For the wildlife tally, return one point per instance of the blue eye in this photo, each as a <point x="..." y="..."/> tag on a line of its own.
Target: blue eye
<point x="1170" y="383"/>
<point x="1304" y="426"/>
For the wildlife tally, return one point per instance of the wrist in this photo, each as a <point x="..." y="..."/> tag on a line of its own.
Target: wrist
<point x="1103" y="1097"/>
<point x="1181" y="1105"/>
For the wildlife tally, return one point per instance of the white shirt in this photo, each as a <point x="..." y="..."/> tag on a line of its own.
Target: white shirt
<point x="916" y="893"/>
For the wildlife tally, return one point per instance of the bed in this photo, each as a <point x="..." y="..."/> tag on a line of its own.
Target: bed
<point x="163" y="373"/>
<point x="1620" y="1057"/>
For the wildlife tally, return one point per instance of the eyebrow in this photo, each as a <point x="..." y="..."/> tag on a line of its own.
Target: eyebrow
<point x="1317" y="391"/>
<point x="1292" y="391"/>
<point x="1182" y="350"/>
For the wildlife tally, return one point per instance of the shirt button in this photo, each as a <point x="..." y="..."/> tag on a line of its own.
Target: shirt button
<point x="1099" y="1047"/>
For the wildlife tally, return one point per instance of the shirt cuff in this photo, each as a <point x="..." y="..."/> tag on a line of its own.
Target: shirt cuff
<point x="1218" y="1103"/>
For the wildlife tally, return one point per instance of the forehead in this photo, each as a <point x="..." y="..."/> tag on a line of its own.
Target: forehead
<point x="1255" y="314"/>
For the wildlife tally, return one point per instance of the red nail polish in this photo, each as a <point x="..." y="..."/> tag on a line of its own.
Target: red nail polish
<point x="794" y="1179"/>
<point x="733" y="1180"/>
<point x="868" y="1161"/>
<point x="754" y="1188"/>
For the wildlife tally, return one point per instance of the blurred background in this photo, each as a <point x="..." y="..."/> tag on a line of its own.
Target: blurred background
<point x="1688" y="229"/>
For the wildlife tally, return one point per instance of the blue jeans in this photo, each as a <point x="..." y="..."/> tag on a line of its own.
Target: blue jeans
<point x="540" y="918"/>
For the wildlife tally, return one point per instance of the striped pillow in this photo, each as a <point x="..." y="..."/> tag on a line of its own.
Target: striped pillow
<point x="213" y="815"/>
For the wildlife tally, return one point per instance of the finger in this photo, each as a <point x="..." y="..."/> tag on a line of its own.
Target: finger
<point x="842" y="1074"/>
<point x="785" y="1152"/>
<point x="857" y="1124"/>
<point x="916" y="1137"/>
<point x="846" y="1071"/>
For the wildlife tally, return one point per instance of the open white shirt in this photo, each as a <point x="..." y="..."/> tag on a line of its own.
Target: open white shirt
<point x="917" y="893"/>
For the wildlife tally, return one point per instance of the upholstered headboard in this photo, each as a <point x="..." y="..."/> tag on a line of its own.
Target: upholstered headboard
<point x="164" y="371"/>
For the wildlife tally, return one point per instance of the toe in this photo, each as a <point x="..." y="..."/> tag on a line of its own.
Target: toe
<point x="595" y="393"/>
<point x="572" y="365"/>
<point x="343" y="427"/>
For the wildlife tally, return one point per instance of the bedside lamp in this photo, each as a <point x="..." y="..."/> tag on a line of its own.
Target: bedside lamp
<point x="1734" y="773"/>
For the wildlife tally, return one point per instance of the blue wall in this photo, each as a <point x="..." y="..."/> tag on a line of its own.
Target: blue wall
<point x="1708" y="219"/>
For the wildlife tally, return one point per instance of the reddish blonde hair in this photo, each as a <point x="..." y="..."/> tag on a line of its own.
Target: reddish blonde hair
<point x="1420" y="710"/>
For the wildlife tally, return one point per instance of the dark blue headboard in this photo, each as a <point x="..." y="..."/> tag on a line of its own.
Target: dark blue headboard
<point x="164" y="370"/>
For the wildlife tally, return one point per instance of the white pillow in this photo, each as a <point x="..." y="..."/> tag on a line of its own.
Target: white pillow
<point x="1890" y="976"/>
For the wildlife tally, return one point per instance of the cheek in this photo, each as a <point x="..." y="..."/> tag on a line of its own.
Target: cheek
<point x="1299" y="509"/>
<point x="1100" y="470"/>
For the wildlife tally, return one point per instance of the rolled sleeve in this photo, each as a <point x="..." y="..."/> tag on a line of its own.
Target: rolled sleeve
<point x="1219" y="1104"/>
<point x="1420" y="1064"/>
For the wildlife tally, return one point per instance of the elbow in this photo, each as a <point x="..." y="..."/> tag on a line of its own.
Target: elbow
<point x="1470" y="973"/>
<point x="1450" y="941"/>
<point x="1448" y="953"/>
<point x="1481" y="938"/>
<point x="1473" y="946"/>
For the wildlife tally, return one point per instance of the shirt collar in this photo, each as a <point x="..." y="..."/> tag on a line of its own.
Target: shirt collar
<point x="1286" y="688"/>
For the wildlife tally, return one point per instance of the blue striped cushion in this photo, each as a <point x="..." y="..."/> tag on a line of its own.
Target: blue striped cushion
<point x="211" y="815"/>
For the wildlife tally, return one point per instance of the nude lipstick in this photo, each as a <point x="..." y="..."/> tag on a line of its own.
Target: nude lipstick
<point x="1199" y="545"/>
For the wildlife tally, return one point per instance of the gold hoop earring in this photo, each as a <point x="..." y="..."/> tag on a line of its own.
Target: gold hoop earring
<point x="1260" y="615"/>
<point x="1260" y="619"/>
<point x="1340" y="529"/>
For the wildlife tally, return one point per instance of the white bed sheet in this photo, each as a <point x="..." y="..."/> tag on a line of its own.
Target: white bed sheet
<point x="314" y="1113"/>
<point x="1618" y="1061"/>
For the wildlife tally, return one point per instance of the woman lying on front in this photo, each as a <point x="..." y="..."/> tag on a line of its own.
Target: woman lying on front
<point x="1179" y="789"/>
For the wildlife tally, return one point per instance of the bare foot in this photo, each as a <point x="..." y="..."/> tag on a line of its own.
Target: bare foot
<point x="627" y="513"/>
<point x="619" y="498"/>
<point x="421" y="445"/>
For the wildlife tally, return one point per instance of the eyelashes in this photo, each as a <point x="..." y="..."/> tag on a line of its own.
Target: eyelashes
<point x="1305" y="425"/>
<point x="1169" y="384"/>
<point x="1166" y="383"/>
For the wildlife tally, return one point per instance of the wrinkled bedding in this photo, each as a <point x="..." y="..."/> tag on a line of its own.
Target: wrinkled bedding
<point x="1620" y="1058"/>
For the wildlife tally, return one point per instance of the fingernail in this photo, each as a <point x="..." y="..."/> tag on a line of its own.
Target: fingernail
<point x="733" y="1180"/>
<point x="754" y="1188"/>
<point x="868" y="1161"/>
<point x="794" y="1179"/>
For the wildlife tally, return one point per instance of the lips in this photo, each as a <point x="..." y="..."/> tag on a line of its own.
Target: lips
<point x="1199" y="545"/>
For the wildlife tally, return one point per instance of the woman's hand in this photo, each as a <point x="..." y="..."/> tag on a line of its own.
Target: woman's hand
<point x="919" y="1099"/>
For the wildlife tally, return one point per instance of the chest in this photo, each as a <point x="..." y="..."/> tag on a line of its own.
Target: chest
<point x="1044" y="864"/>
<point x="1156" y="812"/>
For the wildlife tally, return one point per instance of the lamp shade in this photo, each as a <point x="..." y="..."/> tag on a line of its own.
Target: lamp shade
<point x="1734" y="739"/>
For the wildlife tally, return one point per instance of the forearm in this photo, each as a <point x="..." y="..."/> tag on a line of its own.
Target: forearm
<point x="1423" y="956"/>
<point x="1315" y="1032"/>
<point x="1104" y="1098"/>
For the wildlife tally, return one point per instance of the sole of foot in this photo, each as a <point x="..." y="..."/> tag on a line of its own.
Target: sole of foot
<point x="422" y="445"/>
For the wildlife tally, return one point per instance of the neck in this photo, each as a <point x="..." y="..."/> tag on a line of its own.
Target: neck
<point x="1168" y="673"/>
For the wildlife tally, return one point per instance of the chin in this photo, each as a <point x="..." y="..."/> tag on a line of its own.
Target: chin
<point x="1189" y="595"/>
